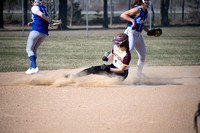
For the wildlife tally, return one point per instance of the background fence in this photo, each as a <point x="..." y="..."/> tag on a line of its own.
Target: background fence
<point x="180" y="11"/>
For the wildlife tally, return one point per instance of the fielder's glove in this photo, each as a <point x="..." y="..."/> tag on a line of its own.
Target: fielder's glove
<point x="56" y="22"/>
<point x="105" y="67"/>
<point x="154" y="32"/>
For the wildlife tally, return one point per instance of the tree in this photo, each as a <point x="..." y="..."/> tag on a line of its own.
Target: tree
<point x="71" y="12"/>
<point x="153" y="15"/>
<point x="25" y="11"/>
<point x="111" y="12"/>
<point x="63" y="14"/>
<point x="171" y="7"/>
<point x="183" y="5"/>
<point x="194" y="13"/>
<point x="164" y="6"/>
<point x="11" y="4"/>
<point x="105" y="21"/>
<point x="1" y="14"/>
<point x="129" y="4"/>
<point x="74" y="13"/>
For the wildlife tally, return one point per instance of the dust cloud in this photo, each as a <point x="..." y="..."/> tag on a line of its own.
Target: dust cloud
<point x="153" y="76"/>
<point x="56" y="78"/>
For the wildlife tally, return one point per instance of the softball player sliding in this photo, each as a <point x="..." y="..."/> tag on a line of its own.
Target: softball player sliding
<point x="137" y="17"/>
<point x="38" y="33"/>
<point x="121" y="59"/>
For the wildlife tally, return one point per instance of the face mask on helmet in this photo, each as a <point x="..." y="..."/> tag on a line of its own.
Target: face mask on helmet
<point x="121" y="44"/>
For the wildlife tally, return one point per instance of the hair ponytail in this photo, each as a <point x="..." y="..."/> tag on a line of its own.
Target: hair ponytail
<point x="136" y="3"/>
<point x="38" y="1"/>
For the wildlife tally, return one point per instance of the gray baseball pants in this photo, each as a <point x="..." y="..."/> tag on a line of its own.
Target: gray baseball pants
<point x="34" y="41"/>
<point x="136" y="41"/>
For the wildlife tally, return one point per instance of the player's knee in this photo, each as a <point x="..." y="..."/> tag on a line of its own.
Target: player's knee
<point x="142" y="59"/>
<point x="131" y="48"/>
<point x="29" y="52"/>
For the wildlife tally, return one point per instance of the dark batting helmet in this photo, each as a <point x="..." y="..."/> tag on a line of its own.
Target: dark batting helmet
<point x="121" y="39"/>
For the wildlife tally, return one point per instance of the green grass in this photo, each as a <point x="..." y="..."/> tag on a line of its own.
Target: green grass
<point x="72" y="49"/>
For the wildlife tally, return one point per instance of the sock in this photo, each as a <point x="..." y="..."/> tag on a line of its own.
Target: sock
<point x="140" y="67"/>
<point x="33" y="61"/>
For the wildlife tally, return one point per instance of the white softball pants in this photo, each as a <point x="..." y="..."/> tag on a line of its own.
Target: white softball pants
<point x="136" y="42"/>
<point x="35" y="39"/>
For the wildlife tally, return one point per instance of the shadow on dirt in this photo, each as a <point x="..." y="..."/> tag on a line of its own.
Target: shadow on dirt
<point x="155" y="81"/>
<point x="162" y="81"/>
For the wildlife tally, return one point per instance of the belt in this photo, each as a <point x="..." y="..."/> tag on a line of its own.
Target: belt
<point x="136" y="30"/>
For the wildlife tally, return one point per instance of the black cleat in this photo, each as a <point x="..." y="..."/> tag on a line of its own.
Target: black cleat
<point x="67" y="76"/>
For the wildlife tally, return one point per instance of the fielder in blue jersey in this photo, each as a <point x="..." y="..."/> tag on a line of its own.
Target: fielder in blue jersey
<point x="38" y="33"/>
<point x="137" y="17"/>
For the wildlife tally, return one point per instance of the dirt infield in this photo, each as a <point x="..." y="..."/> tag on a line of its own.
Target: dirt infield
<point x="164" y="101"/>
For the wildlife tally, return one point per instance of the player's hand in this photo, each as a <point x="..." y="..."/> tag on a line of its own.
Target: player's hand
<point x="105" y="58"/>
<point x="105" y="67"/>
<point x="133" y="23"/>
<point x="29" y="24"/>
<point x="50" y="25"/>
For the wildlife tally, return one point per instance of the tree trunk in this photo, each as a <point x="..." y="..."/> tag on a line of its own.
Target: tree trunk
<point x="63" y="14"/>
<point x="153" y="15"/>
<point x="171" y="8"/>
<point x="183" y="5"/>
<point x="105" y="21"/>
<point x="1" y="14"/>
<point x="25" y="12"/>
<point x="111" y="12"/>
<point x="174" y="10"/>
<point x="129" y="4"/>
<point x="9" y="9"/>
<point x="71" y="14"/>
<point x="164" y="12"/>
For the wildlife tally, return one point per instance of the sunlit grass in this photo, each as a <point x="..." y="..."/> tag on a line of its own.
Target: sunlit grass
<point x="72" y="49"/>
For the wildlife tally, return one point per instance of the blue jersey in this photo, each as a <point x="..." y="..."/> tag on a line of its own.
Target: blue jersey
<point x="39" y="24"/>
<point x="139" y="20"/>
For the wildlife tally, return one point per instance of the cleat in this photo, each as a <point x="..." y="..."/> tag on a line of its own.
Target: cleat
<point x="32" y="70"/>
<point x="140" y="75"/>
<point x="67" y="76"/>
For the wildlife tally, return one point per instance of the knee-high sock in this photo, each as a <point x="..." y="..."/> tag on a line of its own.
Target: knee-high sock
<point x="33" y="61"/>
<point x="140" y="66"/>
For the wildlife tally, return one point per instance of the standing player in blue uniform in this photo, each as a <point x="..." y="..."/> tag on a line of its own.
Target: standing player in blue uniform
<point x="38" y="33"/>
<point x="137" y="17"/>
